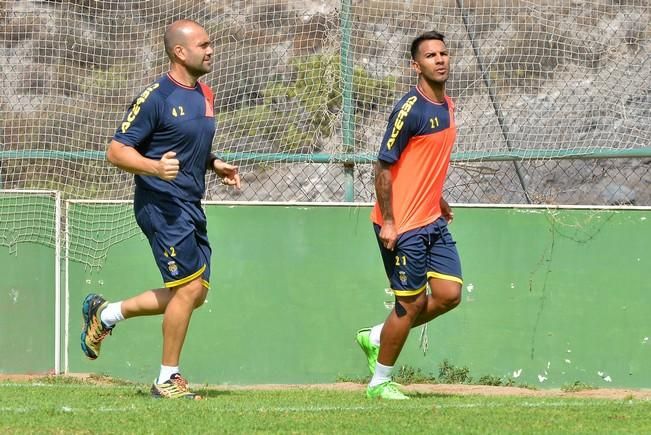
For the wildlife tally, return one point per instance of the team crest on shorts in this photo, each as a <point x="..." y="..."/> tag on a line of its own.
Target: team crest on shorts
<point x="403" y="277"/>
<point x="173" y="268"/>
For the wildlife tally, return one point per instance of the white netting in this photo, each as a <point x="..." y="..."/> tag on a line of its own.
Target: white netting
<point x="300" y="84"/>
<point x="27" y="217"/>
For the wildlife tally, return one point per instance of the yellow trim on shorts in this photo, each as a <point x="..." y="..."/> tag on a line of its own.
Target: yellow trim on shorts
<point x="205" y="283"/>
<point x="409" y="292"/>
<point x="445" y="277"/>
<point x="187" y="279"/>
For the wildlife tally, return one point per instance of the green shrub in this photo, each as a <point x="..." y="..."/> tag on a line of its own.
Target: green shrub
<point x="294" y="114"/>
<point x="449" y="374"/>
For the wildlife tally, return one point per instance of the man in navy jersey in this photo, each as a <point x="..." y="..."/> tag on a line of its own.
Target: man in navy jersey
<point x="165" y="140"/>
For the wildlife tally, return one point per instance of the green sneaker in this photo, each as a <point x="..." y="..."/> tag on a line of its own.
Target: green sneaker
<point x="370" y="350"/>
<point x="388" y="391"/>
<point x="174" y="388"/>
<point x="93" y="331"/>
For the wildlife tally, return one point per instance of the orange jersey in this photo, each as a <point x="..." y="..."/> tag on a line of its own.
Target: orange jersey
<point x="418" y="144"/>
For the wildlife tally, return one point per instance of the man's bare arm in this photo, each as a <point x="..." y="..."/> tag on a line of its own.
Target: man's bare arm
<point x="129" y="159"/>
<point x="383" y="190"/>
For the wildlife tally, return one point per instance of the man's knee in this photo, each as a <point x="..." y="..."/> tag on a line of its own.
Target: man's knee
<point x="447" y="294"/>
<point x="201" y="298"/>
<point x="451" y="297"/>
<point x="194" y="291"/>
<point x="454" y="300"/>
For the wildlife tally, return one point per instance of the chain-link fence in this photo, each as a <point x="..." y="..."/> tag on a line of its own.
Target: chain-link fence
<point x="553" y="97"/>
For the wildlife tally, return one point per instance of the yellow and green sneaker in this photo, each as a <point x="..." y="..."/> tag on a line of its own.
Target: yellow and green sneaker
<point x="370" y="350"/>
<point x="174" y="388"/>
<point x="93" y="330"/>
<point x="388" y="391"/>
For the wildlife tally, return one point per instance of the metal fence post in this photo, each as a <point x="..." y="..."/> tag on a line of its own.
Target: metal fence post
<point x="348" y="126"/>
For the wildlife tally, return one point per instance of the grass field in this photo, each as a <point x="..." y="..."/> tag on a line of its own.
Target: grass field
<point x="67" y="405"/>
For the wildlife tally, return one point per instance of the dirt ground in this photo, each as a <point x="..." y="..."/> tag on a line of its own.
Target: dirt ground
<point x="482" y="390"/>
<point x="444" y="389"/>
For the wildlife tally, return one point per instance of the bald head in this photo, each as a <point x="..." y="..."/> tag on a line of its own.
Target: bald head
<point x="177" y="34"/>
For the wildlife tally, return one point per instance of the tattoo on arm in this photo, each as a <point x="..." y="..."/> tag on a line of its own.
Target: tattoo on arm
<point x="383" y="189"/>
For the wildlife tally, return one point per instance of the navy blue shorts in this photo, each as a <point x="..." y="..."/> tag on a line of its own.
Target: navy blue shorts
<point x="177" y="234"/>
<point x="420" y="254"/>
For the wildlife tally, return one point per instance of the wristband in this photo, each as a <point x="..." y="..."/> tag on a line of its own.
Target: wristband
<point x="211" y="162"/>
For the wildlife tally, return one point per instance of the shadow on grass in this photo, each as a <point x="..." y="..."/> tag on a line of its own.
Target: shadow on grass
<point x="419" y="395"/>
<point x="205" y="393"/>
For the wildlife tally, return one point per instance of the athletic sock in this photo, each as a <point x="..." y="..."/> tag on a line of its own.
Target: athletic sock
<point x="165" y="373"/>
<point x="382" y="374"/>
<point x="374" y="336"/>
<point x="112" y="314"/>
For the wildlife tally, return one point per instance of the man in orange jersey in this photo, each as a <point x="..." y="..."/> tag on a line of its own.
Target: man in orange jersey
<point x="410" y="216"/>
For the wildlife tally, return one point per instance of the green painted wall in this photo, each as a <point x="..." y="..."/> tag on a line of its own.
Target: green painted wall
<point x="550" y="298"/>
<point x="27" y="309"/>
<point x="27" y="289"/>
